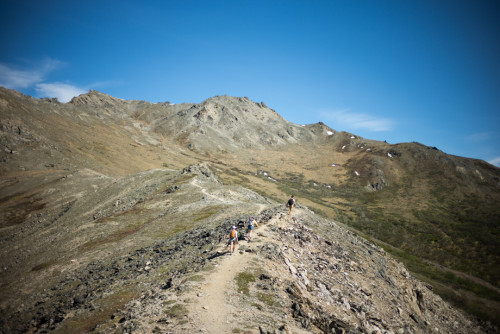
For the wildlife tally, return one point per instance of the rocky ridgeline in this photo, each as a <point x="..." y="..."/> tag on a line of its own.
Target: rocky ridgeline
<point x="345" y="283"/>
<point x="314" y="275"/>
<point x="225" y="124"/>
<point x="326" y="279"/>
<point x="218" y="124"/>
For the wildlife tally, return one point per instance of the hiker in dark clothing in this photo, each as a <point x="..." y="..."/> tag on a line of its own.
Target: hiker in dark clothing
<point x="291" y="205"/>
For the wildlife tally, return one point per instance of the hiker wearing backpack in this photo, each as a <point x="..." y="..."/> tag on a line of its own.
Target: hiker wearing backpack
<point x="233" y="240"/>
<point x="251" y="225"/>
<point x="291" y="204"/>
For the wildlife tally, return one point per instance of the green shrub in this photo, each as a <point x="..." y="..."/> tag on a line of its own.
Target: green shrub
<point x="243" y="279"/>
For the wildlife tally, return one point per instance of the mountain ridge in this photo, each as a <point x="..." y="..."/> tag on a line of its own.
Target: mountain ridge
<point x="104" y="177"/>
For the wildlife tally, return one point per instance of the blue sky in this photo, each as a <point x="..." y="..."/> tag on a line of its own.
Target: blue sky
<point x="401" y="71"/>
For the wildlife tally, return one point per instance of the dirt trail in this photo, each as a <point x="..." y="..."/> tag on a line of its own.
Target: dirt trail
<point x="213" y="307"/>
<point x="214" y="311"/>
<point x="216" y="305"/>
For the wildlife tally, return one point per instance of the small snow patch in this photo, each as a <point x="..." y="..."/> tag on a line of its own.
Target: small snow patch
<point x="330" y="133"/>
<point x="333" y="165"/>
<point x="389" y="155"/>
<point x="352" y="137"/>
<point x="368" y="150"/>
<point x="343" y="147"/>
<point x="270" y="178"/>
<point x="356" y="172"/>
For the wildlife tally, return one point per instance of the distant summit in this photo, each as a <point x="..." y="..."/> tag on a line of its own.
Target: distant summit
<point x="224" y="124"/>
<point x="96" y="99"/>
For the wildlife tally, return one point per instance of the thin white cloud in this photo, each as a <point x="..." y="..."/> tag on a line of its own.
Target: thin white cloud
<point x="351" y="120"/>
<point x="63" y="92"/>
<point x="16" y="78"/>
<point x="495" y="161"/>
<point x="479" y="137"/>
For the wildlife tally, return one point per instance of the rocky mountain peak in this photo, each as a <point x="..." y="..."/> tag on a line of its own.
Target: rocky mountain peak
<point x="241" y="107"/>
<point x="96" y="99"/>
<point x="224" y="123"/>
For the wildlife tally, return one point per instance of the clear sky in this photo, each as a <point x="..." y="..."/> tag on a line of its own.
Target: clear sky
<point x="401" y="71"/>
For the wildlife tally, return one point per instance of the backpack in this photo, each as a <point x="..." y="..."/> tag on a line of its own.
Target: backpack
<point x="291" y="202"/>
<point x="232" y="235"/>
<point x="250" y="222"/>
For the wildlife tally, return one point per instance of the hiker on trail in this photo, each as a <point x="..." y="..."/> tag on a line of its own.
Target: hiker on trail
<point x="251" y="225"/>
<point x="233" y="240"/>
<point x="291" y="205"/>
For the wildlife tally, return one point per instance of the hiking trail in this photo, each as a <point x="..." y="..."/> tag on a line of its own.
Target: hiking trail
<point x="216" y="305"/>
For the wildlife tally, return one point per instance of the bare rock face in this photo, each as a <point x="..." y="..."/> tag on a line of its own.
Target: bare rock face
<point x="224" y="124"/>
<point x="342" y="282"/>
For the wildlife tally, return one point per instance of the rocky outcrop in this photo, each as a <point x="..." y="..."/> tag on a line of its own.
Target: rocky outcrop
<point x="201" y="169"/>
<point x="342" y="282"/>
